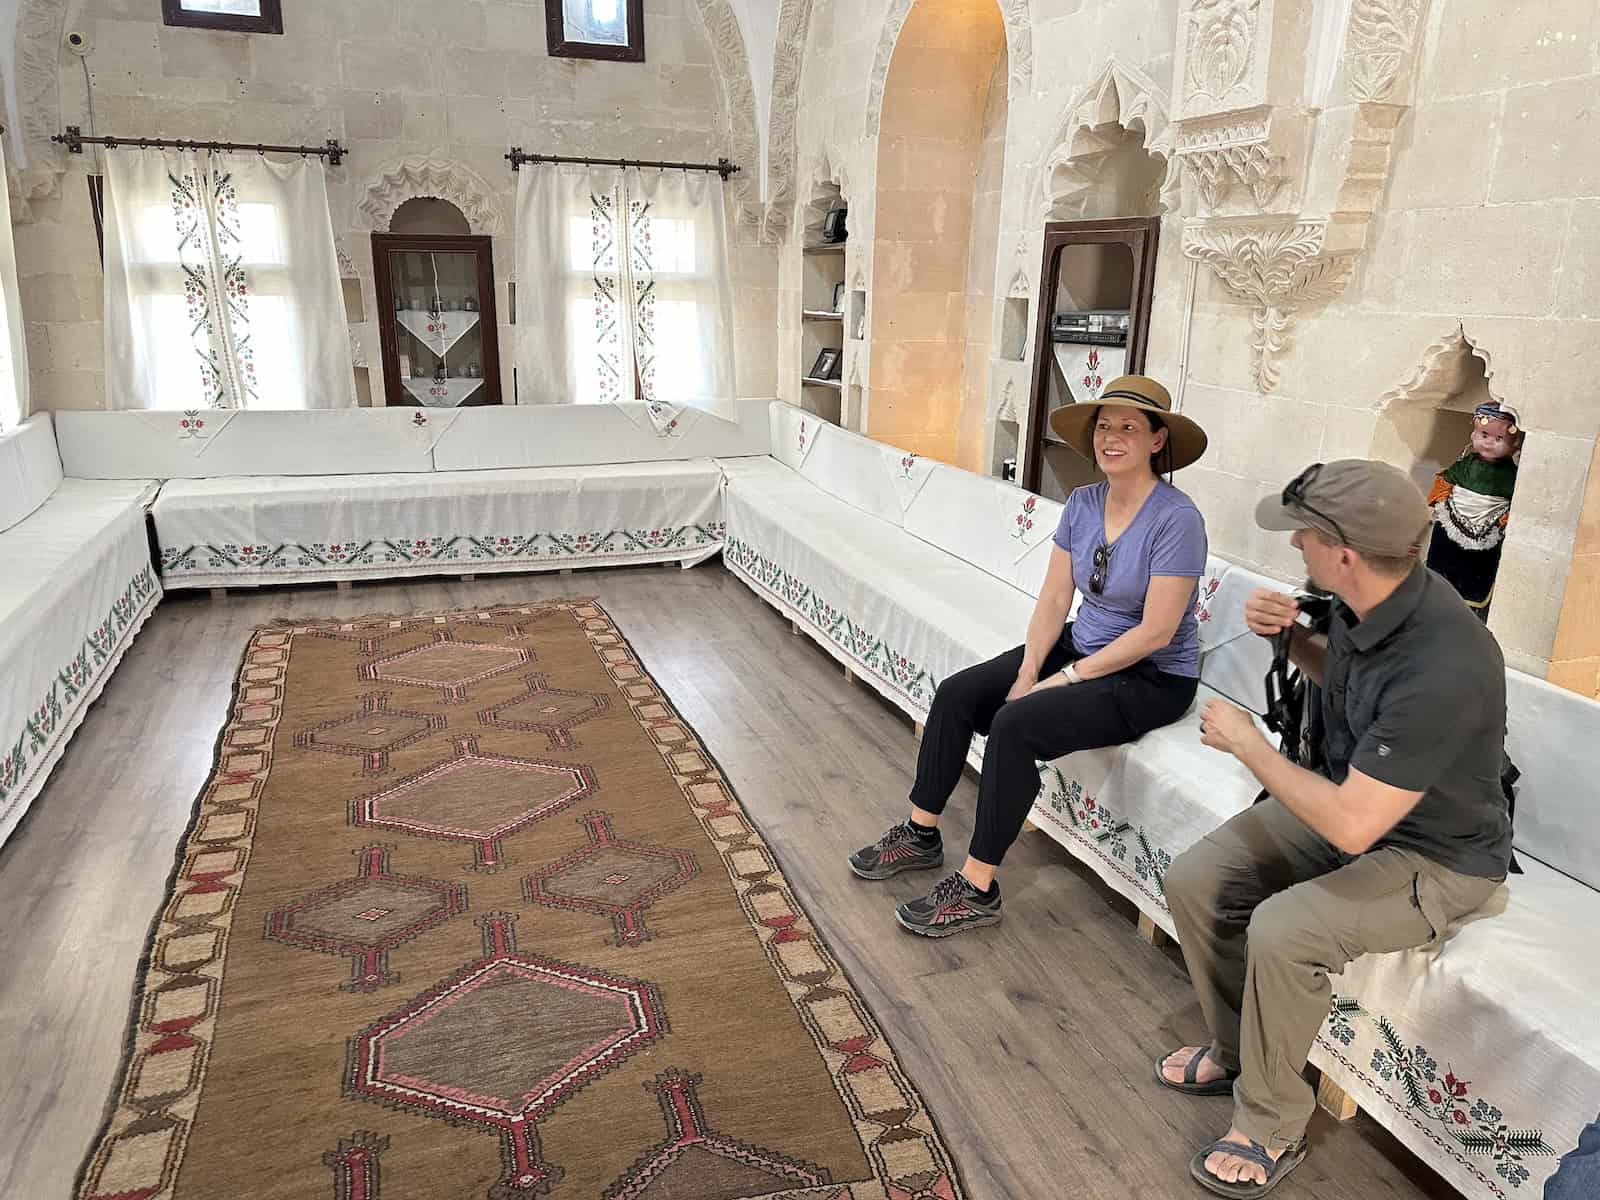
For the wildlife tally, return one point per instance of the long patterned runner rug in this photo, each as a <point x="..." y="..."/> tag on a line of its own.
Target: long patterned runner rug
<point x="467" y="911"/>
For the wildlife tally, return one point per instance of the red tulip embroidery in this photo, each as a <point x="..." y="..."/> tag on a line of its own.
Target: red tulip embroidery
<point x="1025" y="519"/>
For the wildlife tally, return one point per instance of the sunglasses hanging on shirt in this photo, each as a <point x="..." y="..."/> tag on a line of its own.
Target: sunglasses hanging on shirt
<point x="1102" y="564"/>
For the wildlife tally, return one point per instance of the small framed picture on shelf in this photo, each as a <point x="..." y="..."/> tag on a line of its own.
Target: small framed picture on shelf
<point x="838" y="297"/>
<point x="833" y="226"/>
<point x="826" y="366"/>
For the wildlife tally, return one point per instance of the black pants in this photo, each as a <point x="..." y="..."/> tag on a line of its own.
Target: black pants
<point x="1083" y="716"/>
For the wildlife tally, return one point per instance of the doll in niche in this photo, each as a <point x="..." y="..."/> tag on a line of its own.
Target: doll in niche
<point x="1471" y="502"/>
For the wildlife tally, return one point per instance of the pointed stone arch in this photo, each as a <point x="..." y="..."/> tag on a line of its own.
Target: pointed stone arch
<point x="1121" y="97"/>
<point x="1018" y="18"/>
<point x="1440" y="374"/>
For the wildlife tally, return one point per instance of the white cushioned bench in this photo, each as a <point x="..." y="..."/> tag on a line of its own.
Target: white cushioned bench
<point x="76" y="584"/>
<point x="1482" y="1057"/>
<point x="255" y="498"/>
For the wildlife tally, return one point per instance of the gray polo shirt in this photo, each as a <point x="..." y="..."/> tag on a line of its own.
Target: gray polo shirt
<point x="1415" y="697"/>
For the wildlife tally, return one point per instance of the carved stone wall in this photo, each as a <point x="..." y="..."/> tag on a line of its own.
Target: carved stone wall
<point x="439" y="178"/>
<point x="1277" y="234"/>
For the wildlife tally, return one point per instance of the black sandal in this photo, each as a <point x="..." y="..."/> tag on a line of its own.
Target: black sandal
<point x="1255" y="1153"/>
<point x="1191" y="1085"/>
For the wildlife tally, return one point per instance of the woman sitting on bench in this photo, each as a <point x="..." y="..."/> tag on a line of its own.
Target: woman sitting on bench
<point x="1134" y="546"/>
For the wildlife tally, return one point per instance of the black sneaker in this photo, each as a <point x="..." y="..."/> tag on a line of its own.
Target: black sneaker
<point x="953" y="905"/>
<point x="896" y="851"/>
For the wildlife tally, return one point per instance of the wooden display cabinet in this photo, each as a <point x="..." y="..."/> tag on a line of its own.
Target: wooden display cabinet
<point x="1103" y="273"/>
<point x="437" y="320"/>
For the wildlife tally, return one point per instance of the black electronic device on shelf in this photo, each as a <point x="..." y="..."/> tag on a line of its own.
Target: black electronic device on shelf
<point x="1095" y="327"/>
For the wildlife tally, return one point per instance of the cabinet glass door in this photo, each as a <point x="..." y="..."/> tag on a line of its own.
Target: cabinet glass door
<point x="440" y="318"/>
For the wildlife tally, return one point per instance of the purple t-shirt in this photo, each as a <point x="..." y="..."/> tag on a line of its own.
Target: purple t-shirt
<point x="1167" y="537"/>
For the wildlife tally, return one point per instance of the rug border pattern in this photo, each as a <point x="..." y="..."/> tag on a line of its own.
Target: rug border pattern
<point x="140" y="1147"/>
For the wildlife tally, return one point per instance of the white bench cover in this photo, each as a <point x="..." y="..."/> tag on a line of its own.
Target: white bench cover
<point x="30" y="468"/>
<point x="76" y="587"/>
<point x="243" y="532"/>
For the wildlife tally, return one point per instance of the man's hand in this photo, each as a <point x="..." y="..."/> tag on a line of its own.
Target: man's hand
<point x="1024" y="684"/>
<point x="1227" y="728"/>
<point x="1269" y="613"/>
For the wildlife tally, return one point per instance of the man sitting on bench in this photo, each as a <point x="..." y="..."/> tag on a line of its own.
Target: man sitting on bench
<point x="1401" y="830"/>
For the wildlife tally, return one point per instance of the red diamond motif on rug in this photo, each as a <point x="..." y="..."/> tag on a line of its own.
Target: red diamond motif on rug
<point x="695" y="1160"/>
<point x="342" y="919"/>
<point x="594" y="880"/>
<point x="547" y="710"/>
<point x="447" y="664"/>
<point x="475" y="797"/>
<point x="555" y="1027"/>
<point x="361" y="736"/>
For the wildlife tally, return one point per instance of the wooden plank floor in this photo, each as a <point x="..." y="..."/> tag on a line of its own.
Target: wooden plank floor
<point x="1033" y="1041"/>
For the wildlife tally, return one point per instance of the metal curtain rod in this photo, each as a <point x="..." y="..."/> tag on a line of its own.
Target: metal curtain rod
<point x="74" y="141"/>
<point x="722" y="166"/>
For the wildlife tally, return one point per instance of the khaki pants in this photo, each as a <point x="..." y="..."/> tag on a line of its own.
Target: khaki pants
<point x="1266" y="910"/>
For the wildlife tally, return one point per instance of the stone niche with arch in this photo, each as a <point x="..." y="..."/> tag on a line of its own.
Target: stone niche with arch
<point x="941" y="160"/>
<point x="1425" y="425"/>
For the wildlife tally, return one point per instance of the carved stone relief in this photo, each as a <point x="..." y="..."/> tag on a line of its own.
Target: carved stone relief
<point x="1244" y="143"/>
<point x="1018" y="18"/>
<point x="358" y="352"/>
<point x="794" y="25"/>
<point x="440" y="178"/>
<point x="1220" y="48"/>
<point x="739" y="99"/>
<point x="1440" y="375"/>
<point x="1120" y="96"/>
<point x="1275" y="268"/>
<point x="1378" y="44"/>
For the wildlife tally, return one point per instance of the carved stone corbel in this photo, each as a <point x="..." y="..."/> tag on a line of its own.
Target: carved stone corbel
<point x="1276" y="268"/>
<point x="1275" y="233"/>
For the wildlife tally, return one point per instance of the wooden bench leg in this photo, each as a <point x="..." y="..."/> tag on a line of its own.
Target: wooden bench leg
<point x="469" y="578"/>
<point x="1029" y="827"/>
<point x="849" y="675"/>
<point x="219" y="593"/>
<point x="1335" y="1101"/>
<point x="918" y="729"/>
<point x="344" y="585"/>
<point x="794" y="628"/>
<point x="1150" y="931"/>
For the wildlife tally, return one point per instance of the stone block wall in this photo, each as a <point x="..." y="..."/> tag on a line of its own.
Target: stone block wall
<point x="457" y="83"/>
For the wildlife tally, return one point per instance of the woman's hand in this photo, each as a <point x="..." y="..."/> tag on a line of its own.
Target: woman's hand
<point x="1269" y="613"/>
<point x="1026" y="680"/>
<point x="1059" y="679"/>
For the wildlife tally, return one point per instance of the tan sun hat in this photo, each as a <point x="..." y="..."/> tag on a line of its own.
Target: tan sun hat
<point x="1073" y="423"/>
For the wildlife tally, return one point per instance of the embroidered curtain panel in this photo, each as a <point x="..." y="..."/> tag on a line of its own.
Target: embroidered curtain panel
<point x="13" y="348"/>
<point x="624" y="289"/>
<point x="222" y="284"/>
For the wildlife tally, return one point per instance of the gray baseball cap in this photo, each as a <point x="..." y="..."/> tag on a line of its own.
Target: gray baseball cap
<point x="1368" y="506"/>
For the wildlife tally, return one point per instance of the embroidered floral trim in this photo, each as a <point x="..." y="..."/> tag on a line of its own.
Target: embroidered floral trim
<point x="289" y="557"/>
<point x="71" y="683"/>
<point x="1202" y="602"/>
<point x="1093" y="381"/>
<point x="871" y="652"/>
<point x="1025" y="518"/>
<point x="907" y="465"/>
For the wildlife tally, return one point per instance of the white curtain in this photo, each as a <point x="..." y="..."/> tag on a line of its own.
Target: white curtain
<point x="222" y="284"/>
<point x="623" y="289"/>
<point x="13" y="346"/>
